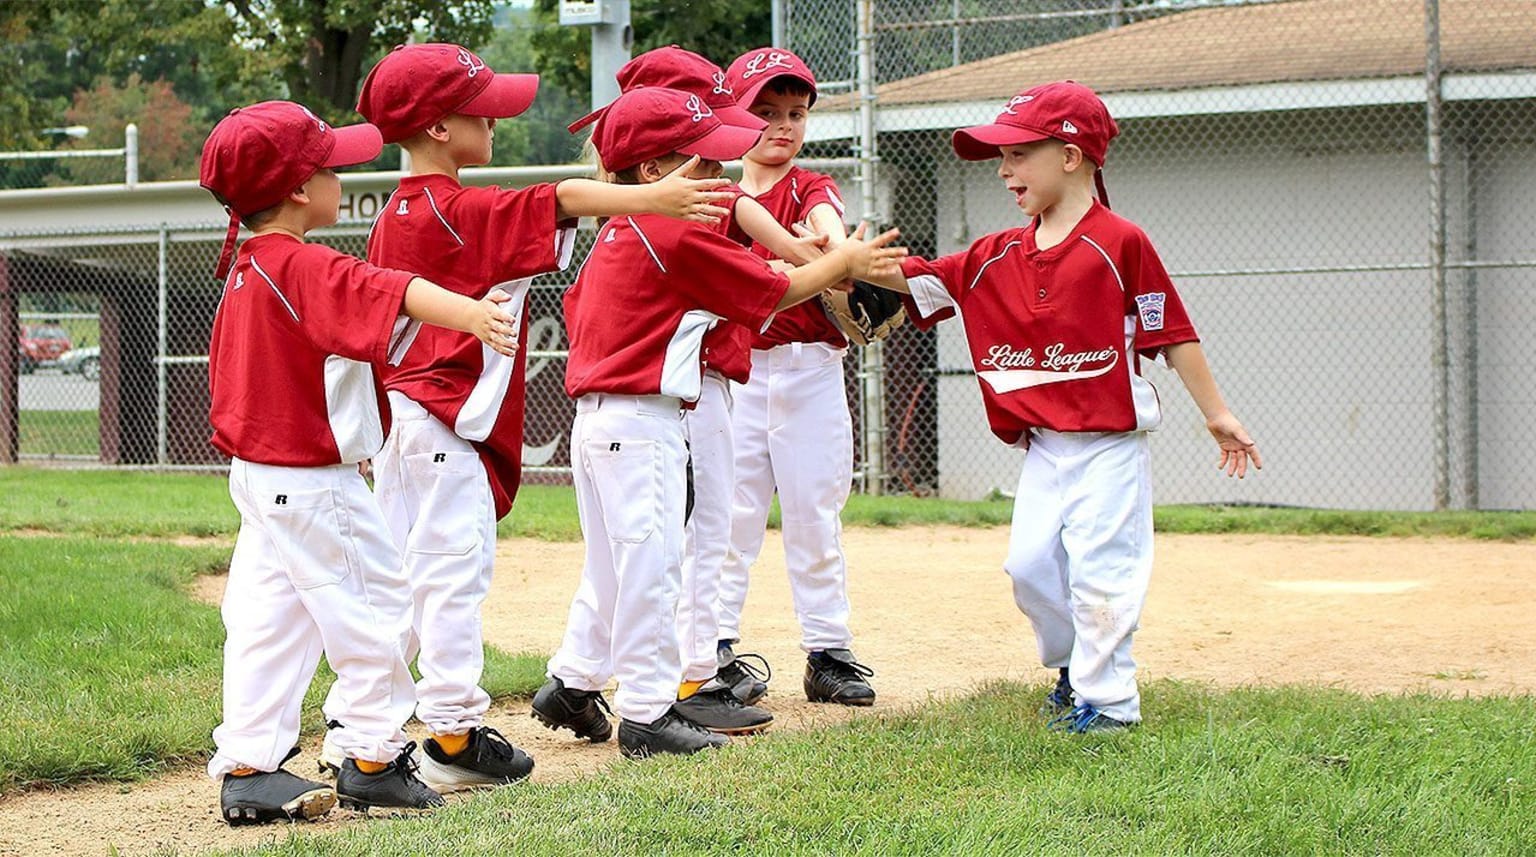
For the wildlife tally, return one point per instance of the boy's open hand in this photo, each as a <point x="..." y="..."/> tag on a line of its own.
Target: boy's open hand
<point x="493" y="325"/>
<point x="677" y="195"/>
<point x="1237" y="448"/>
<point x="873" y="257"/>
<point x="809" y="245"/>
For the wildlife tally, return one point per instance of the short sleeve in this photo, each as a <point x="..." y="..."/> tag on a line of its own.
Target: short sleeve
<point x="1151" y="298"/>
<point x="934" y="286"/>
<point x="725" y="279"/>
<point x="515" y="231"/>
<point x="730" y="225"/>
<point x="346" y="306"/>
<point x="816" y="190"/>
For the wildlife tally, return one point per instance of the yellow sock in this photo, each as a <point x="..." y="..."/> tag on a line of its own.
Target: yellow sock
<point x="242" y="772"/>
<point x="370" y="767"/>
<point x="689" y="688"/>
<point x="452" y="745"/>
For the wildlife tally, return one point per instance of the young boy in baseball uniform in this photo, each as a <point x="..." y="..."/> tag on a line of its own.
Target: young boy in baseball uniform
<point x="637" y="317"/>
<point x="451" y="465"/>
<point x="703" y="697"/>
<point x="793" y="432"/>
<point x="1059" y="315"/>
<point x="296" y="408"/>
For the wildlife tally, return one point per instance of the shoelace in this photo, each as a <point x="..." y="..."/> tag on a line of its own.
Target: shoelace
<point x="1061" y="694"/>
<point x="763" y="673"/>
<point x="406" y="762"/>
<point x="689" y="724"/>
<point x="849" y="670"/>
<point x="1074" y="720"/>
<point x="499" y="746"/>
<point x="597" y="697"/>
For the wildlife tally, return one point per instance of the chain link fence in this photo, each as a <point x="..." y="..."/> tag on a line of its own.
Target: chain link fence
<point x="1340" y="189"/>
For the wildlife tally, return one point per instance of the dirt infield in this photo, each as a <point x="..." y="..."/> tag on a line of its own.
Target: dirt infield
<point x="934" y="616"/>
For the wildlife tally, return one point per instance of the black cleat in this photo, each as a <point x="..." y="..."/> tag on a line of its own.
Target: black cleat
<point x="718" y="710"/>
<point x="581" y="711"/>
<point x="396" y="787"/>
<point x="748" y="682"/>
<point x="670" y="733"/>
<point x="488" y="760"/>
<point x="1059" y="700"/>
<point x="834" y="676"/>
<point x="273" y="796"/>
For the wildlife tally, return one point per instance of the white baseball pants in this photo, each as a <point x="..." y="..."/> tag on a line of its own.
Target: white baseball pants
<point x="436" y="498"/>
<point x="312" y="564"/>
<point x="1080" y="555"/>
<point x="793" y="434"/>
<point x="707" y="537"/>
<point x="629" y="465"/>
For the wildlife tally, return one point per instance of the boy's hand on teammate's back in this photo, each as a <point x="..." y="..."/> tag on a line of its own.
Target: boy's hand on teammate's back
<point x="494" y="325"/>
<point x="873" y="257"/>
<point x="692" y="199"/>
<point x="1237" y="448"/>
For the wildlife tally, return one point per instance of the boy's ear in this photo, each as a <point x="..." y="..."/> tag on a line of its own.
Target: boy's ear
<point x="651" y="170"/>
<point x="437" y="131"/>
<point x="1072" y="157"/>
<point x="300" y="194"/>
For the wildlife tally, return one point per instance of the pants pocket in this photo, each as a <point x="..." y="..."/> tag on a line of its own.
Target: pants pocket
<point x="306" y="528"/>
<point x="627" y="476"/>
<point x="452" y="487"/>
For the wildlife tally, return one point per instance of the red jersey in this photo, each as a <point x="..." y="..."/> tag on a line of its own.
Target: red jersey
<point x="470" y="240"/>
<point x="289" y="372"/>
<point x="1056" y="335"/>
<point x="648" y="293"/>
<point x="728" y="346"/>
<point x="790" y="201"/>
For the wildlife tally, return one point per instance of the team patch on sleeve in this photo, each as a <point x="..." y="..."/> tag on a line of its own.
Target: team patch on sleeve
<point x="1150" y="306"/>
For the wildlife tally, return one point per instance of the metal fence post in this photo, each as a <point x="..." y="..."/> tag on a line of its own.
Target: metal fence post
<point x="162" y="323"/>
<point x="1439" y="333"/>
<point x="873" y="374"/>
<point x="131" y="155"/>
<point x="778" y="18"/>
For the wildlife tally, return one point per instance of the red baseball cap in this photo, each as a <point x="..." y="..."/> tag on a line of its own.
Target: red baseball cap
<point x="414" y="86"/>
<point x="752" y="70"/>
<point x="676" y="68"/>
<point x="1064" y="110"/>
<point x="259" y="154"/>
<point x="653" y="121"/>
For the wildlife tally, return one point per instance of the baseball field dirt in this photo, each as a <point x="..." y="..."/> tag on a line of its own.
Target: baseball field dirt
<point x="934" y="617"/>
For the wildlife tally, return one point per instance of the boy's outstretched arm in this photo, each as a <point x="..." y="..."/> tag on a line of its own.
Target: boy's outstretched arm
<point x="856" y="258"/>
<point x="1237" y="448"/>
<point x="485" y="318"/>
<point x="676" y="195"/>
<point x="801" y="249"/>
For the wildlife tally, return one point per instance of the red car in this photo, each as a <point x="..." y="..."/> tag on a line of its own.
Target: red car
<point x="40" y="344"/>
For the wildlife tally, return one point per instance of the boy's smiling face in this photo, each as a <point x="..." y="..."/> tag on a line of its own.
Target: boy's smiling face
<point x="785" y="134"/>
<point x="1038" y="173"/>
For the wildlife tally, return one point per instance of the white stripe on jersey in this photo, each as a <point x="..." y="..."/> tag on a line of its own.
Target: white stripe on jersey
<point x="648" y="248"/>
<point x="352" y="409"/>
<point x="929" y="294"/>
<point x="477" y="416"/>
<point x="1116" y="271"/>
<point x="565" y="247"/>
<point x="432" y="202"/>
<point x="681" y="372"/>
<point x="1144" y="401"/>
<point x="275" y="290"/>
<point x="987" y="264"/>
<point x="837" y="201"/>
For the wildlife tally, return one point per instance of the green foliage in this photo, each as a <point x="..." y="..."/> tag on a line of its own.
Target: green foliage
<point x="1286" y="771"/>
<point x="116" y="503"/>
<point x="169" y="141"/>
<point x="59" y="432"/>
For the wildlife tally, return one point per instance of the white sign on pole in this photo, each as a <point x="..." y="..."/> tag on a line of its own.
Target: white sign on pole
<point x="579" y="12"/>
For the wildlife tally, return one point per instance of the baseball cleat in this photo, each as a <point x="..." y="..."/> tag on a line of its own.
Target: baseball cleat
<point x="670" y="734"/>
<point x="834" y="676"/>
<point x="581" y="711"/>
<point x="748" y="682"/>
<point x="488" y="760"/>
<point x="1059" y="700"/>
<point x="716" y="708"/>
<point x="1085" y="719"/>
<point x="395" y="787"/>
<point x="273" y="796"/>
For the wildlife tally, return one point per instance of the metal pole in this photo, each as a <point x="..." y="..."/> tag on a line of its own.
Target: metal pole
<point x="873" y="380"/>
<point x="162" y="408"/>
<point x="1471" y="477"/>
<point x="954" y="34"/>
<point x="780" y="17"/>
<point x="611" y="42"/>
<point x="1439" y="332"/>
<point x="131" y="156"/>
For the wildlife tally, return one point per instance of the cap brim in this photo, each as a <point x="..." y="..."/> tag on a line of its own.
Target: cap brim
<point x="586" y="120"/>
<point x="355" y="144"/>
<point x="722" y="143"/>
<point x="749" y="95"/>
<point x="982" y="142"/>
<point x="740" y="117"/>
<point x="505" y="97"/>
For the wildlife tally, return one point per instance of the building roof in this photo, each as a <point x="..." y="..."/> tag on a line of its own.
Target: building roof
<point x="1281" y="42"/>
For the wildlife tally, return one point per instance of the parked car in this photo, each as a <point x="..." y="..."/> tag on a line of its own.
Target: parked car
<point x="82" y="361"/>
<point x="40" y="345"/>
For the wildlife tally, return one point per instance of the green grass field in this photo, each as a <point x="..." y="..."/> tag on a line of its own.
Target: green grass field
<point x="114" y="671"/>
<point x="59" y="433"/>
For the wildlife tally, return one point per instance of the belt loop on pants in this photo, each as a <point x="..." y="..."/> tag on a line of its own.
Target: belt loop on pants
<point x="664" y="406"/>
